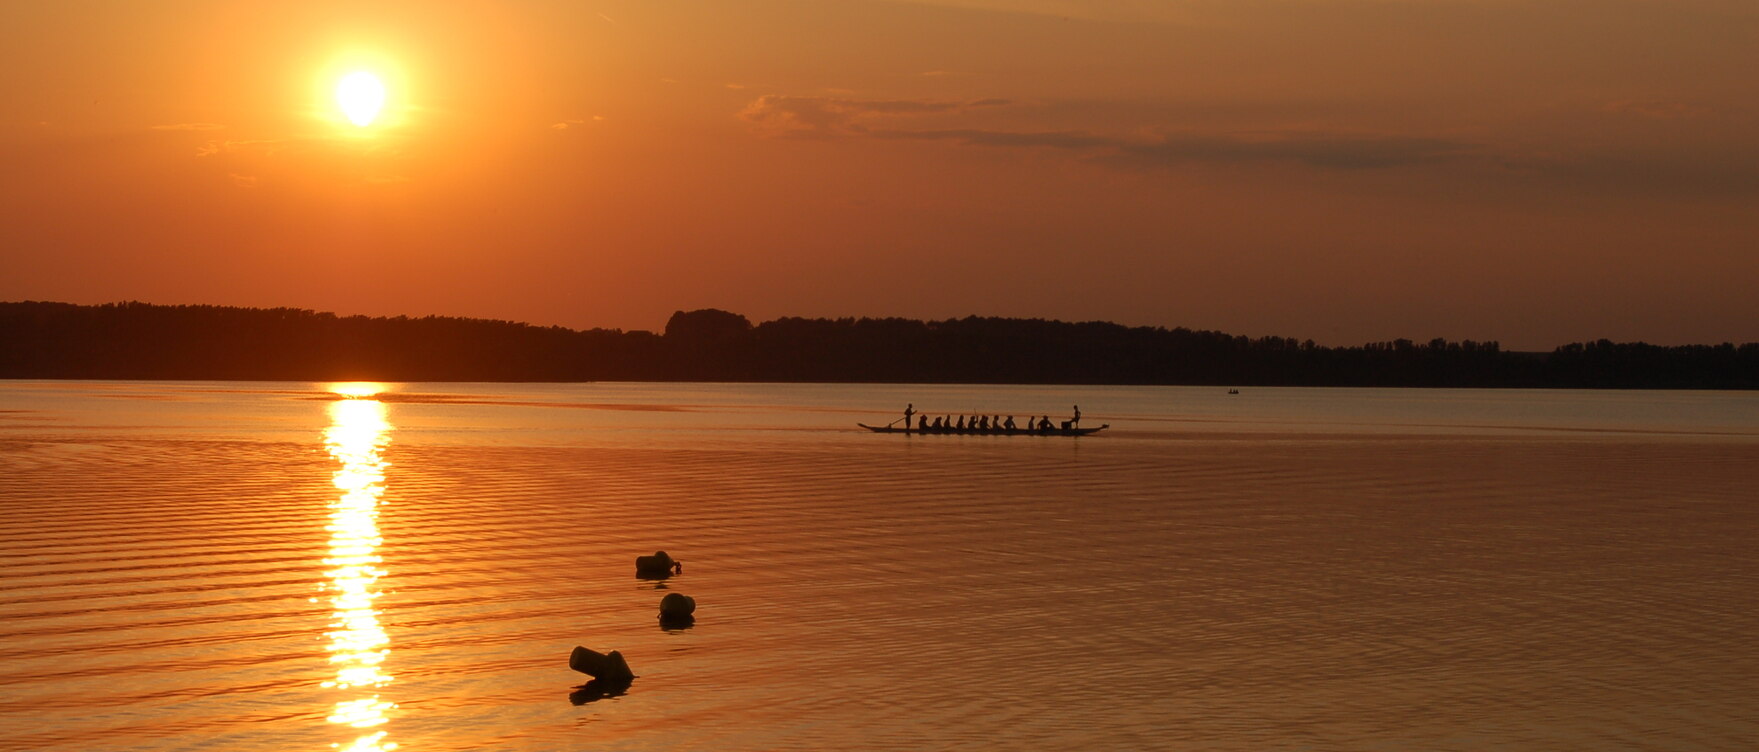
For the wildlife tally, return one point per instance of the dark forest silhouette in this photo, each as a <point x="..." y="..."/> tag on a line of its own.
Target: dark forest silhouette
<point x="143" y="341"/>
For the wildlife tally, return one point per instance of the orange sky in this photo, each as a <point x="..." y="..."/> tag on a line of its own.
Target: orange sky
<point x="1342" y="170"/>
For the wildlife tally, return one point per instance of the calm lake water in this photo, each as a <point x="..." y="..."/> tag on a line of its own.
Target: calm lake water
<point x="262" y="566"/>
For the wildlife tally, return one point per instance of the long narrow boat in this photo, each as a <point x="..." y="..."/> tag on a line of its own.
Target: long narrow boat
<point x="989" y="432"/>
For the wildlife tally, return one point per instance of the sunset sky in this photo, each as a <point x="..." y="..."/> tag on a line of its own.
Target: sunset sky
<point x="1342" y="170"/>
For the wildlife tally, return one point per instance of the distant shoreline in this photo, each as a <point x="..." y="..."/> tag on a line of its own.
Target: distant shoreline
<point x="138" y="341"/>
<point x="394" y="397"/>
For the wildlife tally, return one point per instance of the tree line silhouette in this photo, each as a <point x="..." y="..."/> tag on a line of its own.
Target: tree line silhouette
<point x="144" y="341"/>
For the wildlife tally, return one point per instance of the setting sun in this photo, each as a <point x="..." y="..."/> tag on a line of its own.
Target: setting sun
<point x="361" y="96"/>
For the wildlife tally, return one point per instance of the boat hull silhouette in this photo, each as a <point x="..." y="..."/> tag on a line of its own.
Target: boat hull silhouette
<point x="985" y="432"/>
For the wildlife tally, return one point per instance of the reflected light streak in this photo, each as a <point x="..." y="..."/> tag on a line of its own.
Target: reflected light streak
<point x="357" y="433"/>
<point x="357" y="389"/>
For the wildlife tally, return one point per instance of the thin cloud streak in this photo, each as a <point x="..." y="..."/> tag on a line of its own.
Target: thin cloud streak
<point x="826" y="117"/>
<point x="1712" y="173"/>
<point x="1335" y="151"/>
<point x="1327" y="150"/>
<point x="1048" y="139"/>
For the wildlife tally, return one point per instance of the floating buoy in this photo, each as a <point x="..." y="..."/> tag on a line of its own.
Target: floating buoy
<point x="609" y="667"/>
<point x="677" y="606"/>
<point x="660" y="564"/>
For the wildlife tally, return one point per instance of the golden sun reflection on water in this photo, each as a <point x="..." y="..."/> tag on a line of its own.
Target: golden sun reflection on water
<point x="358" y="431"/>
<point x="357" y="390"/>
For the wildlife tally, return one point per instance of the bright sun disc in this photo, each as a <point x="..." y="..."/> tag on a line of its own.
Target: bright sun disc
<point x="361" y="95"/>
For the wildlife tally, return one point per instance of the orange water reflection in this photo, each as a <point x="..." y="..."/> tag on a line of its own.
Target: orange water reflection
<point x="358" y="432"/>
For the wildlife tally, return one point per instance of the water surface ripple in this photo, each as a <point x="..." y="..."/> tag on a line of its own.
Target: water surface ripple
<point x="191" y="572"/>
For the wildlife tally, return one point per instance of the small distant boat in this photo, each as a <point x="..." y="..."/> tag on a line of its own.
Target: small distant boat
<point x="986" y="432"/>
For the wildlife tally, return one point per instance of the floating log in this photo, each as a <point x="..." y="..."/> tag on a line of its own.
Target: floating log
<point x="609" y="667"/>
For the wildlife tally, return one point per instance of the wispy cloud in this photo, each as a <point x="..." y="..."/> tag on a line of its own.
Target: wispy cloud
<point x="567" y="124"/>
<point x="1048" y="139"/>
<point x="1341" y="151"/>
<point x="268" y="147"/>
<point x="261" y="162"/>
<point x="1706" y="171"/>
<point x="253" y="145"/>
<point x="827" y="117"/>
<point x="189" y="127"/>
<point x="1719" y="173"/>
<point x="1680" y="175"/>
<point x="823" y="117"/>
<point x="1330" y="150"/>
